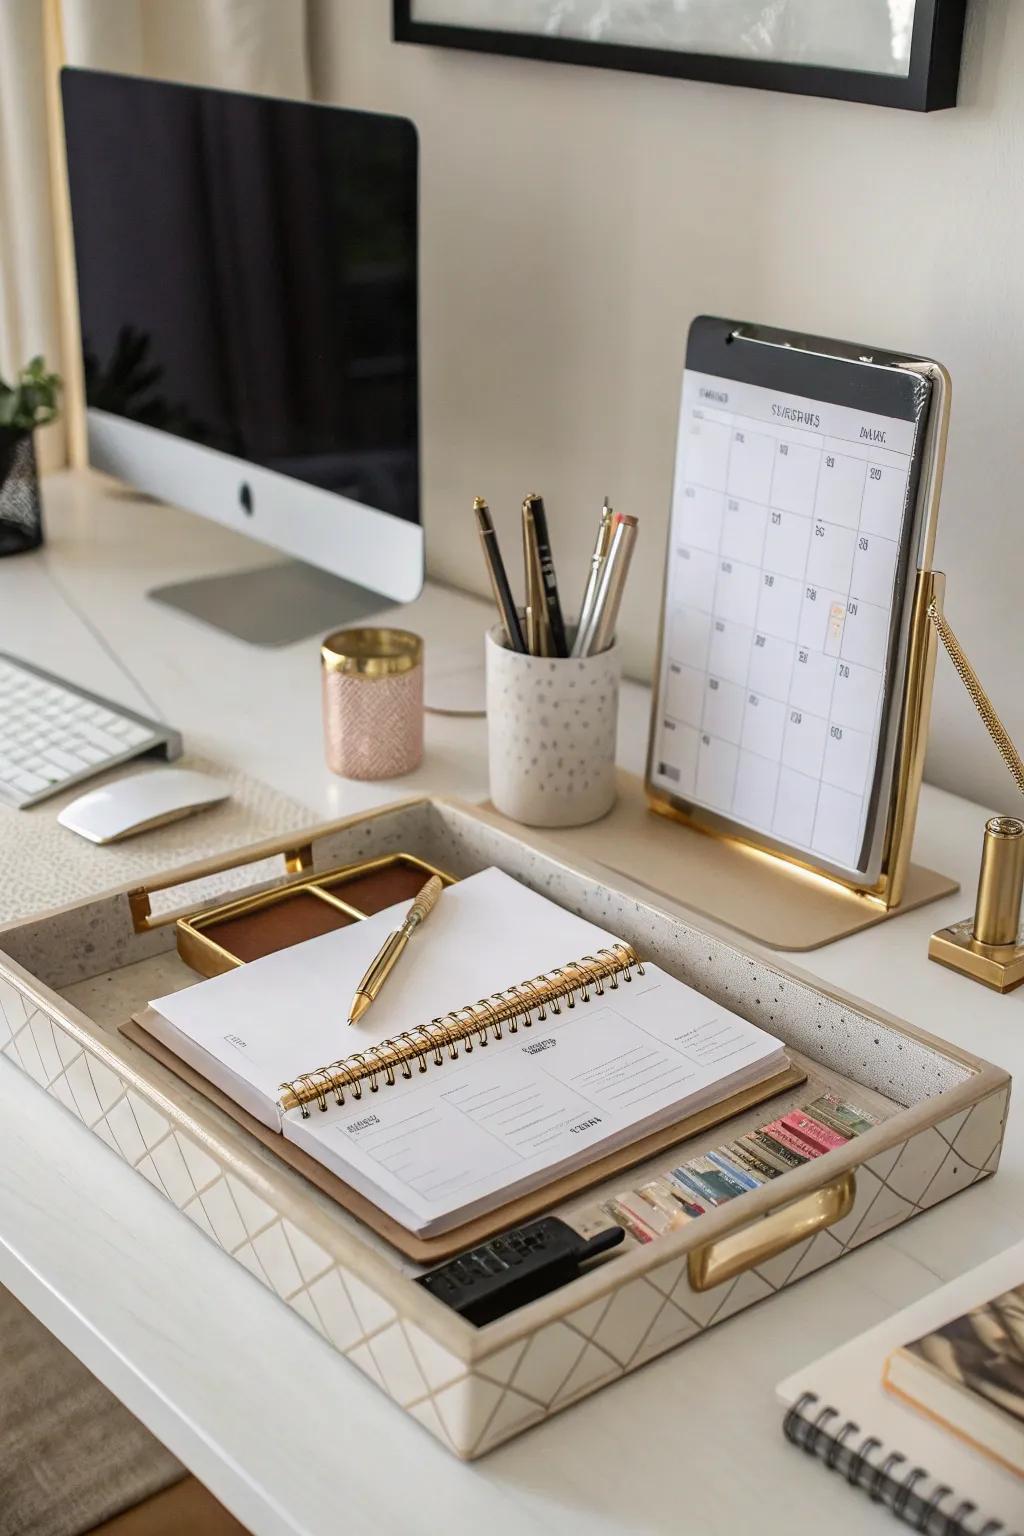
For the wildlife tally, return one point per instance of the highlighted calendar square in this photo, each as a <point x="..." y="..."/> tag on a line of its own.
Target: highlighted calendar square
<point x="788" y="549"/>
<point x="822" y="619"/>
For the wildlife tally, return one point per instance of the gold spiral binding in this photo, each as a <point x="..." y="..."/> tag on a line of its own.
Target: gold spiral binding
<point x="517" y="1006"/>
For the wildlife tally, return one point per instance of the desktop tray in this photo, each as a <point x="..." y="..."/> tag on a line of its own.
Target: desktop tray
<point x="70" y="977"/>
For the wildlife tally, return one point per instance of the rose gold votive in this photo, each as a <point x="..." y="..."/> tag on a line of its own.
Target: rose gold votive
<point x="372" y="683"/>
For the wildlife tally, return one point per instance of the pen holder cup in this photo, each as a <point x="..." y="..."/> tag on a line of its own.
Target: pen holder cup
<point x="551" y="729"/>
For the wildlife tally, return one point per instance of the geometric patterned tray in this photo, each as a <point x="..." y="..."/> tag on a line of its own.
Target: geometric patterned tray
<point x="475" y="1387"/>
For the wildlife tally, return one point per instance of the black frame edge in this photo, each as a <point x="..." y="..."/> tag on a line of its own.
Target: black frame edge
<point x="930" y="86"/>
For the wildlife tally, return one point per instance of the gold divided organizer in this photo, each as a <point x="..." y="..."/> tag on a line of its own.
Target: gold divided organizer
<point x="224" y="937"/>
<point x="70" y="978"/>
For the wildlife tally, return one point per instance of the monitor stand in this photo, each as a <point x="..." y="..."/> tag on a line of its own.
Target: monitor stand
<point x="274" y="605"/>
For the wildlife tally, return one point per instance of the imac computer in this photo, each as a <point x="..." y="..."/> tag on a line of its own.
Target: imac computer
<point x="247" y="289"/>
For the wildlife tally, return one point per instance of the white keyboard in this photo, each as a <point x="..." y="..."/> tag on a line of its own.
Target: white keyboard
<point x="52" y="734"/>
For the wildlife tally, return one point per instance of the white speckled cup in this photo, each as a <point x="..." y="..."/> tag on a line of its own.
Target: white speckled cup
<point x="551" y="735"/>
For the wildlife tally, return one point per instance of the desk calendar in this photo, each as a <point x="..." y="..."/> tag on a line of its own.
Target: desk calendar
<point x="796" y="535"/>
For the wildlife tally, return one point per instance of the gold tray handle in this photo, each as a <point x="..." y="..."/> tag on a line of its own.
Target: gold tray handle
<point x="297" y="859"/>
<point x="730" y="1256"/>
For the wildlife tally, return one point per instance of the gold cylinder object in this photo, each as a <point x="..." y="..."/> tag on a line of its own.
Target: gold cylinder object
<point x="997" y="912"/>
<point x="372" y="685"/>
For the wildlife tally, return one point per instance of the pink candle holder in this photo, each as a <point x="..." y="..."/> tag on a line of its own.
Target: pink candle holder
<point x="372" y="686"/>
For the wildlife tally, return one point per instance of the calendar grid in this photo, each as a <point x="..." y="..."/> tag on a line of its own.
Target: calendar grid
<point x="780" y="592"/>
<point x="789" y="686"/>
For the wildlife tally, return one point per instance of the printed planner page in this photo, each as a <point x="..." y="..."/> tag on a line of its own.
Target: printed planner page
<point x="438" y="1148"/>
<point x="787" y="517"/>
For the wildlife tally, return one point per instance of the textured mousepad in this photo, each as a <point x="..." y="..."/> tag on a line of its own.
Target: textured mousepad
<point x="43" y="865"/>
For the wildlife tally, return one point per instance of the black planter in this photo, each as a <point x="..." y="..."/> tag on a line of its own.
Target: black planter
<point x="21" y="514"/>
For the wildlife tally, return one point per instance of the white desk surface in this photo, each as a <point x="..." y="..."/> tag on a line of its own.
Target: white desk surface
<point x="289" y="1437"/>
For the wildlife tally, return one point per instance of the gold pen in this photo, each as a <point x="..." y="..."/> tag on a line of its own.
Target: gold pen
<point x="392" y="947"/>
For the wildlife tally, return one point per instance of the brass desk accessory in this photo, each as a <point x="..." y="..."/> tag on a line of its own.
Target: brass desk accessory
<point x="988" y="947"/>
<point x="390" y="951"/>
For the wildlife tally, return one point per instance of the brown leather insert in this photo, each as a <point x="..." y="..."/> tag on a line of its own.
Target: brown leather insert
<point x="379" y="888"/>
<point x="291" y="920"/>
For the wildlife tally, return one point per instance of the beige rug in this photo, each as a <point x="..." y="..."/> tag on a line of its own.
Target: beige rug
<point x="71" y="1456"/>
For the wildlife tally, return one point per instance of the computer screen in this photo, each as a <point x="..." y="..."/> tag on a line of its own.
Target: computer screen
<point x="247" y="278"/>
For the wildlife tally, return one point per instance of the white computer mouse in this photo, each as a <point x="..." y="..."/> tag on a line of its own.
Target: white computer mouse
<point x="140" y="802"/>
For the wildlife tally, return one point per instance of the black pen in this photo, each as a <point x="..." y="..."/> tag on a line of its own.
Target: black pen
<point x="499" y="580"/>
<point x="555" y="621"/>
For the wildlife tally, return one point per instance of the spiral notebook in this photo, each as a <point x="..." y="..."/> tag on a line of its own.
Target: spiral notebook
<point x="515" y="1043"/>
<point x="840" y="1412"/>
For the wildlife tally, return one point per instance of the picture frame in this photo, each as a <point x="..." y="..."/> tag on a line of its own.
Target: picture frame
<point x="929" y="84"/>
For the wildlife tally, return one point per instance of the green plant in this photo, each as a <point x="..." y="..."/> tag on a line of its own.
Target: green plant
<point x="32" y="400"/>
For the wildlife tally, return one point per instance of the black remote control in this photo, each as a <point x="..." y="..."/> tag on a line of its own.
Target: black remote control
<point x="515" y="1268"/>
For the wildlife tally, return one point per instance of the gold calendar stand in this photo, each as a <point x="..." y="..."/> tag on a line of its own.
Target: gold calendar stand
<point x="770" y="890"/>
<point x="758" y="894"/>
<point x="772" y="896"/>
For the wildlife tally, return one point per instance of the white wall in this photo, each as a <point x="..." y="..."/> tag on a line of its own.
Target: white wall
<point x="574" y="220"/>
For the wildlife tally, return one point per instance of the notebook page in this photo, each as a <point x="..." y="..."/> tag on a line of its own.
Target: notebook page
<point x="285" y="1014"/>
<point x="445" y="1145"/>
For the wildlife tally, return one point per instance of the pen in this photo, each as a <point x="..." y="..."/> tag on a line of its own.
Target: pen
<point x="499" y="580"/>
<point x="597" y="559"/>
<point x="552" y="603"/>
<point x="392" y="947"/>
<point x="600" y="630"/>
<point x="539" y="640"/>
